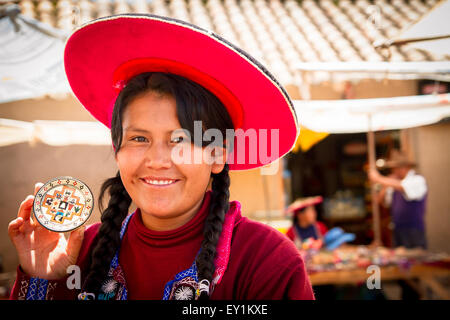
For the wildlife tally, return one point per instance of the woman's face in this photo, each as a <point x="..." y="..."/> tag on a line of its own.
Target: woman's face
<point x="307" y="217"/>
<point x="168" y="192"/>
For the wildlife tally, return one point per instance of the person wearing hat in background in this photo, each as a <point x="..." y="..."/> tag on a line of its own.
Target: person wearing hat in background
<point x="309" y="233"/>
<point x="304" y="221"/>
<point x="146" y="78"/>
<point x="405" y="192"/>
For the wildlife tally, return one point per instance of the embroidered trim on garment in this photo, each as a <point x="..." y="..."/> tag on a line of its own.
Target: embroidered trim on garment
<point x="32" y="289"/>
<point x="224" y="244"/>
<point x="23" y="290"/>
<point x="37" y="289"/>
<point x="42" y="289"/>
<point x="185" y="279"/>
<point x="115" y="286"/>
<point x="50" y="288"/>
<point x="221" y="261"/>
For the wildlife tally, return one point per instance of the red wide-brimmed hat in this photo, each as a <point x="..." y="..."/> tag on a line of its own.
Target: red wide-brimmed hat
<point x="302" y="203"/>
<point x="103" y="54"/>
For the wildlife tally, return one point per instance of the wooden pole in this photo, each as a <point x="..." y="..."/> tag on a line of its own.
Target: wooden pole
<point x="375" y="208"/>
<point x="266" y="197"/>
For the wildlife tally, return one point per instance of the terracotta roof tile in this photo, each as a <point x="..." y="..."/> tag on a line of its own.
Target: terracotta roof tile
<point x="279" y="33"/>
<point x="27" y="8"/>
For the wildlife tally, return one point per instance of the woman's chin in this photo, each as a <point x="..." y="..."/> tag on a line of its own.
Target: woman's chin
<point x="160" y="210"/>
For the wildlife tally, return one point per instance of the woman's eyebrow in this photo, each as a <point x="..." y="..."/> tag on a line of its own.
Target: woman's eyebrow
<point x="132" y="128"/>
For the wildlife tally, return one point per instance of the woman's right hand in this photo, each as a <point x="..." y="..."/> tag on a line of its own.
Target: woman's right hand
<point x="42" y="253"/>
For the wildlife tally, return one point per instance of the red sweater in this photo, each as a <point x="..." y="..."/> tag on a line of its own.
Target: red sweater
<point x="263" y="263"/>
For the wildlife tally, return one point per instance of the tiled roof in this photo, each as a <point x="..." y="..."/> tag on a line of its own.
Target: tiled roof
<point x="277" y="33"/>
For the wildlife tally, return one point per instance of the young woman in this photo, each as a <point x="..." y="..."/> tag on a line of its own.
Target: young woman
<point x="185" y="240"/>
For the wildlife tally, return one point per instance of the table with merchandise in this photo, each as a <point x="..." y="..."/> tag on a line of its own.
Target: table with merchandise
<point x="358" y="265"/>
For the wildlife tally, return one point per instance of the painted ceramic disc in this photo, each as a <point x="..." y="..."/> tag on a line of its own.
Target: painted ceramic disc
<point x="63" y="204"/>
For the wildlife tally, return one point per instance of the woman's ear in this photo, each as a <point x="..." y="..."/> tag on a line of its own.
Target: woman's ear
<point x="220" y="158"/>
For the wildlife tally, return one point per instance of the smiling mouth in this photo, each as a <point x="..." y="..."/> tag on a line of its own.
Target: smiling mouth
<point x="160" y="183"/>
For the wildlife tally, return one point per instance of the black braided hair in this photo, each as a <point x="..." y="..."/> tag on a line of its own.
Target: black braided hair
<point x="213" y="226"/>
<point x="193" y="103"/>
<point x="108" y="236"/>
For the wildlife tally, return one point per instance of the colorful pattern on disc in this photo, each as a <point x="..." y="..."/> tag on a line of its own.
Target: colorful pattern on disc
<point x="63" y="204"/>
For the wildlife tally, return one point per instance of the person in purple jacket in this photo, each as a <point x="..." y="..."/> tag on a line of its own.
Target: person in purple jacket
<point x="405" y="192"/>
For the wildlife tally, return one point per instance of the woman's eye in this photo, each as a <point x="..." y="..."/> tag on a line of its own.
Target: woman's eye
<point x="178" y="139"/>
<point x="139" y="139"/>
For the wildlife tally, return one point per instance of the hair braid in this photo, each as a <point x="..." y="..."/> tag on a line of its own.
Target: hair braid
<point x="213" y="226"/>
<point x="108" y="237"/>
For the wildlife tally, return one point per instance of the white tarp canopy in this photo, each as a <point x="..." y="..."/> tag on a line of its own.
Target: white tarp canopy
<point x="344" y="70"/>
<point x="352" y="115"/>
<point x="436" y="23"/>
<point x="53" y="132"/>
<point x="31" y="57"/>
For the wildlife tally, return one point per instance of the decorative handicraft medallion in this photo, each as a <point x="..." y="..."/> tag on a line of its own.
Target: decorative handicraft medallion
<point x="63" y="204"/>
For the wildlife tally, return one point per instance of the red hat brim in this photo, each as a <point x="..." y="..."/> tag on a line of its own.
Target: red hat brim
<point x="102" y="55"/>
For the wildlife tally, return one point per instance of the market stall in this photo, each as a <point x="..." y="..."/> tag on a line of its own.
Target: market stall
<point x="353" y="265"/>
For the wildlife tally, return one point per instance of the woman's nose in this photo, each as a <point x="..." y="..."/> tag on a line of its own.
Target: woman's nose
<point x="158" y="156"/>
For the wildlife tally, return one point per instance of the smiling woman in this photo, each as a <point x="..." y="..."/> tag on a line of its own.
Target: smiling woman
<point x="185" y="240"/>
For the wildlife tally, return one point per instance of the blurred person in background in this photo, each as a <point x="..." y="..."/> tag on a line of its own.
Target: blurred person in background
<point x="305" y="224"/>
<point x="405" y="192"/>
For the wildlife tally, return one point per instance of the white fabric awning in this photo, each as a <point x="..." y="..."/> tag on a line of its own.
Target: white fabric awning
<point x="31" y="58"/>
<point x="436" y="23"/>
<point x="345" y="70"/>
<point x="363" y="115"/>
<point x="54" y="133"/>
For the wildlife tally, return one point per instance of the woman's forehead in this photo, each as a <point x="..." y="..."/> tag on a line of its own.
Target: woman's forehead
<point x="151" y="110"/>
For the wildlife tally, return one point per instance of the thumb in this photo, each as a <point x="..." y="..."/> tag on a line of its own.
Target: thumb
<point x="74" y="243"/>
<point x="14" y="227"/>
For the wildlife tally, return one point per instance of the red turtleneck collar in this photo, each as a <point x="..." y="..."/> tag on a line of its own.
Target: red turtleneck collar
<point x="189" y="231"/>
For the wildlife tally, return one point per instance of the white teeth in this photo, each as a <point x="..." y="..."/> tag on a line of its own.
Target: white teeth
<point x="159" y="182"/>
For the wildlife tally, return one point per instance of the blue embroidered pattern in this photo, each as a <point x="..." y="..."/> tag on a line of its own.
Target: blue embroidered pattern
<point x="124" y="294"/>
<point x="125" y="224"/>
<point x="32" y="289"/>
<point x="115" y="261"/>
<point x="191" y="272"/>
<point x="42" y="290"/>
<point x="37" y="289"/>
